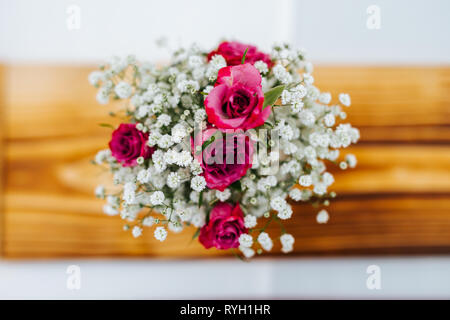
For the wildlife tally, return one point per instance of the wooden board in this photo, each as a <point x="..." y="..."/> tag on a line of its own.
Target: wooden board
<point x="396" y="201"/>
<point x="51" y="227"/>
<point x="2" y="153"/>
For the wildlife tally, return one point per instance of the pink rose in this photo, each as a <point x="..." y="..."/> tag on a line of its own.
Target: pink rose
<point x="236" y="101"/>
<point x="233" y="52"/>
<point x="128" y="144"/>
<point x="226" y="159"/>
<point x="225" y="226"/>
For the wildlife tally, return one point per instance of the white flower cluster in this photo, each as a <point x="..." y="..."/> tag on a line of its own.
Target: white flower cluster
<point x="169" y="192"/>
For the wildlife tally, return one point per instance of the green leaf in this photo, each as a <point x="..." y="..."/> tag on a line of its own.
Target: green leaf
<point x="269" y="124"/>
<point x="206" y="143"/>
<point x="196" y="234"/>
<point x="243" y="56"/>
<point x="200" y="199"/>
<point x="236" y="185"/>
<point x="271" y="96"/>
<point x="106" y="125"/>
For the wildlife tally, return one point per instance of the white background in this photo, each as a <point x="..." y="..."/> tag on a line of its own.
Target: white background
<point x="412" y="32"/>
<point x="407" y="278"/>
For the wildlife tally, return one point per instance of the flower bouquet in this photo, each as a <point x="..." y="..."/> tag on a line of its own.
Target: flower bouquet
<point x="219" y="140"/>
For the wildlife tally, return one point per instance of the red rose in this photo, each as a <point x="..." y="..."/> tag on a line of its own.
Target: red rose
<point x="226" y="159"/>
<point x="233" y="52"/>
<point x="128" y="143"/>
<point x="225" y="226"/>
<point x="236" y="101"/>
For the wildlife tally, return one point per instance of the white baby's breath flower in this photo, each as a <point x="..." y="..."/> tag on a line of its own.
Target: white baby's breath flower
<point x="218" y="62"/>
<point x="195" y="61"/>
<point x="305" y="180"/>
<point x="327" y="178"/>
<point x="286" y="97"/>
<point x="322" y="216"/>
<point x="198" y="220"/>
<point x="223" y="195"/>
<point x="184" y="158"/>
<point x="344" y="98"/>
<point x="175" y="226"/>
<point x="261" y="66"/>
<point x="195" y="167"/>
<point x="157" y="198"/>
<point x="165" y="141"/>
<point x="285" y="212"/>
<point x="200" y="115"/>
<point x="171" y="156"/>
<point x="173" y="180"/>
<point x="110" y="210"/>
<point x="144" y="176"/>
<point x="188" y="86"/>
<point x="207" y="90"/>
<point x="102" y="156"/>
<point x="287" y="240"/>
<point x="123" y="90"/>
<point x="307" y="118"/>
<point x="113" y="200"/>
<point x="250" y="221"/>
<point x="265" y="241"/>
<point x="295" y="194"/>
<point x="103" y="96"/>
<point x="308" y="79"/>
<point x="282" y="74"/>
<point x="95" y="77"/>
<point x="351" y="160"/>
<point x="153" y="138"/>
<point x="194" y="196"/>
<point x="148" y="221"/>
<point x="163" y="120"/>
<point x="185" y="214"/>
<point x="278" y="203"/>
<point x="308" y="66"/>
<point x="100" y="191"/>
<point x="245" y="240"/>
<point x="298" y="93"/>
<point x="160" y="234"/>
<point x="296" y="107"/>
<point x="137" y="231"/>
<point x="329" y="120"/>
<point x="198" y="183"/>
<point x="129" y="195"/>
<point x="325" y="97"/>
<point x="320" y="189"/>
<point x="178" y="133"/>
<point x="247" y="252"/>
<point x="287" y="243"/>
<point x="285" y="131"/>
<point x="160" y="164"/>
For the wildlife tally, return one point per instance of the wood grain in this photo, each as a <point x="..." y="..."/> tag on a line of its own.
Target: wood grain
<point x="2" y="153"/>
<point x="393" y="103"/>
<point x="389" y="104"/>
<point x="365" y="225"/>
<point x="64" y="166"/>
<point x="396" y="201"/>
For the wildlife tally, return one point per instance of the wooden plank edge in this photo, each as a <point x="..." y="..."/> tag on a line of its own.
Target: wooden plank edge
<point x="2" y="155"/>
